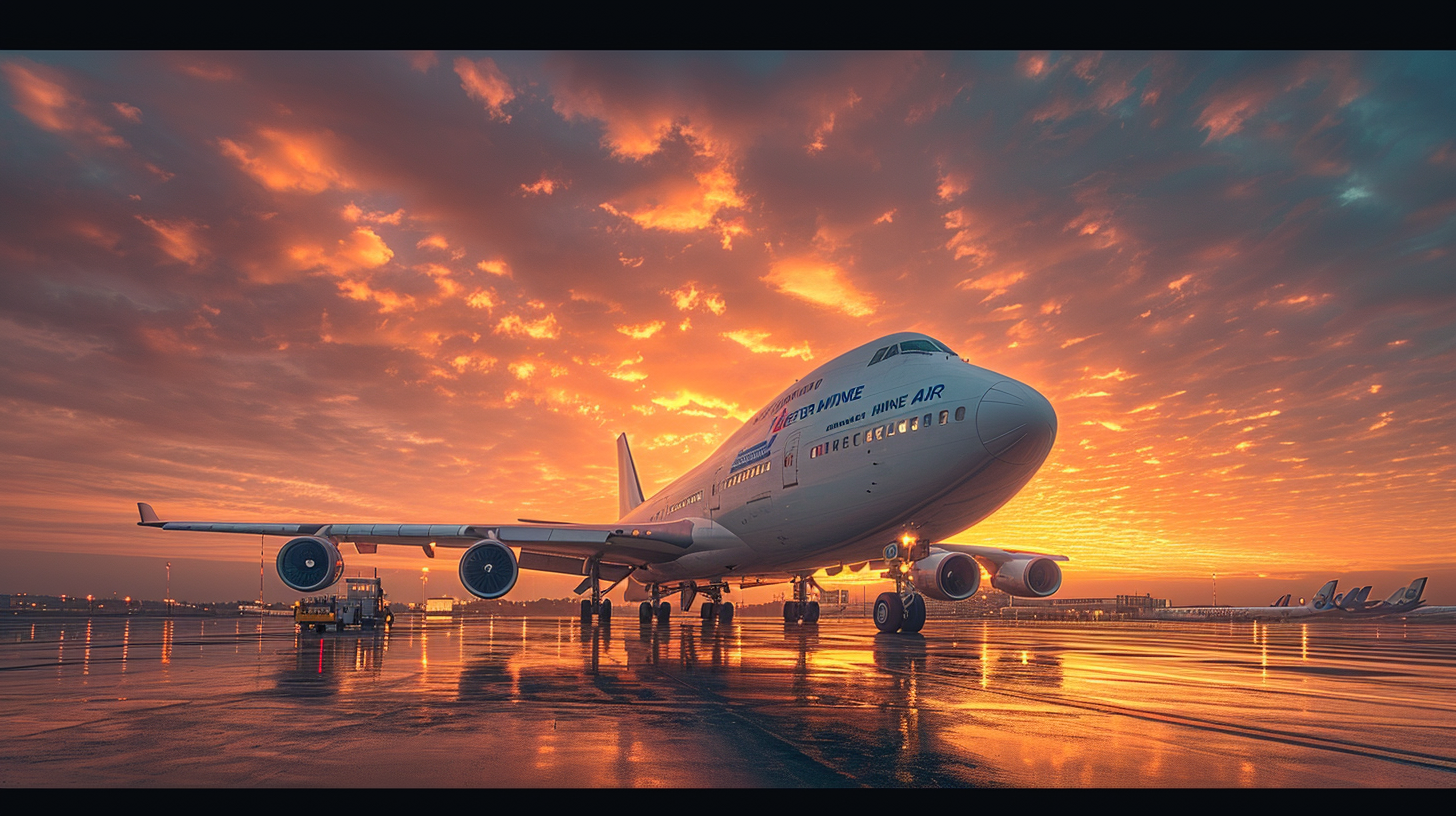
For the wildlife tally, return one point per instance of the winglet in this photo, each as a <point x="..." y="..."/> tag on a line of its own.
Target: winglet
<point x="149" y="516"/>
<point x="629" y="489"/>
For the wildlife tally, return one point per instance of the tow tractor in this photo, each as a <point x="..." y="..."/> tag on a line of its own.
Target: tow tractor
<point x="363" y="605"/>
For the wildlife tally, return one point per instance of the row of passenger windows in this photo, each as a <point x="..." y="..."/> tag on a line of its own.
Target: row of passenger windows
<point x="914" y="423"/>
<point x="673" y="508"/>
<point x="756" y="470"/>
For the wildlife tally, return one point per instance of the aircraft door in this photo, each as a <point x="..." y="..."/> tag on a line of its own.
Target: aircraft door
<point x="715" y="497"/>
<point x="791" y="461"/>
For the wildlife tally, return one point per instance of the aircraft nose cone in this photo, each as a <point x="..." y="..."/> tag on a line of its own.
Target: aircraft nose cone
<point x="1016" y="424"/>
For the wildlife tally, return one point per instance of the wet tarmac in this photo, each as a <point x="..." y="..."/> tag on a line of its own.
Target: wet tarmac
<point x="508" y="702"/>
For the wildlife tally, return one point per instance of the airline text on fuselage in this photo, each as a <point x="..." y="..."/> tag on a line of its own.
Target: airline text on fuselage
<point x="923" y="395"/>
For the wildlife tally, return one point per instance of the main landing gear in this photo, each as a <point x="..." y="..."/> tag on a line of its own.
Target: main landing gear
<point x="801" y="609"/>
<point x="713" y="609"/>
<point x="597" y="605"/>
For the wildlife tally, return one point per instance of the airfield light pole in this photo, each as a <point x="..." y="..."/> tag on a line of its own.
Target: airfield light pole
<point x="1215" y="589"/>
<point x="169" y="587"/>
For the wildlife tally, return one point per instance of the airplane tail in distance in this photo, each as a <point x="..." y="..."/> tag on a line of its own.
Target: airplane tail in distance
<point x="1283" y="600"/>
<point x="629" y="489"/>
<point x="1413" y="592"/>
<point x="1321" y="599"/>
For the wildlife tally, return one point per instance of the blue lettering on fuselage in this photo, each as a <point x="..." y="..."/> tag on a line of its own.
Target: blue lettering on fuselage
<point x="925" y="394"/>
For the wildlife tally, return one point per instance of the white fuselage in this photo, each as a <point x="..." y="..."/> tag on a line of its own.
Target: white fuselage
<point x="851" y="458"/>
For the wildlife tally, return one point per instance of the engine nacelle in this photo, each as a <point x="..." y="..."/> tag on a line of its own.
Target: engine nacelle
<point x="947" y="576"/>
<point x="310" y="564"/>
<point x="1028" y="577"/>
<point x="488" y="569"/>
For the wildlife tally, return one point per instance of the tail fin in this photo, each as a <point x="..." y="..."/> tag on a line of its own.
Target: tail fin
<point x="1321" y="599"/>
<point x="629" y="489"/>
<point x="1283" y="600"/>
<point x="1415" y="590"/>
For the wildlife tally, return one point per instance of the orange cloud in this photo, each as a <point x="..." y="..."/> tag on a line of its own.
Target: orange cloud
<point x="495" y="267"/>
<point x="484" y="82"/>
<point x="823" y="284"/>
<point x="178" y="238"/>
<point x="545" y="186"/>
<point x="295" y="162"/>
<point x="687" y="297"/>
<point x="515" y="325"/>
<point x="753" y="341"/>
<point x="642" y="331"/>
<point x="680" y="205"/>
<point x="41" y="98"/>
<point x="363" y="249"/>
<point x="354" y="212"/>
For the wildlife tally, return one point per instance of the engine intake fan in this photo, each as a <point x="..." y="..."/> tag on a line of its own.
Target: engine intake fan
<point x="310" y="564"/>
<point x="488" y="569"/>
<point x="947" y="576"/>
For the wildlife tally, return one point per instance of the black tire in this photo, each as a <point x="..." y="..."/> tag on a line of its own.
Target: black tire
<point x="914" y="615"/>
<point x="664" y="613"/>
<point x="706" y="611"/>
<point x="791" y="611"/>
<point x="811" y="614"/>
<point x="644" y="614"/>
<point x="725" y="613"/>
<point x="889" y="612"/>
<point x="604" y="615"/>
<point x="585" y="614"/>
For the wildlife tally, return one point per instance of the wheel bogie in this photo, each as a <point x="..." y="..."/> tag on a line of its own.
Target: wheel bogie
<point x="889" y="612"/>
<point x="914" y="619"/>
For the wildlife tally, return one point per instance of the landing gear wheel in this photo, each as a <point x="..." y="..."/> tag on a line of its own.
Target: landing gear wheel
<point x="889" y="612"/>
<point x="585" y="614"/>
<point x="706" y="611"/>
<point x="604" y="617"/>
<point x="644" y="614"/>
<point x="664" y="613"/>
<point x="791" y="611"/>
<point x="811" y="612"/>
<point x="319" y="628"/>
<point x="914" y="614"/>
<point x="725" y="613"/>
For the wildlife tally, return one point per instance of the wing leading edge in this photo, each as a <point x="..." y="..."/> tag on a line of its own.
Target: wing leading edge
<point x="633" y="545"/>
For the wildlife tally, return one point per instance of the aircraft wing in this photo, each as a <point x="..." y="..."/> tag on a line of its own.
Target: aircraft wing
<point x="633" y="545"/>
<point x="994" y="555"/>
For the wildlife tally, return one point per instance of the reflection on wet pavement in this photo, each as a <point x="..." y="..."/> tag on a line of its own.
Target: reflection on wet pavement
<point x="542" y="702"/>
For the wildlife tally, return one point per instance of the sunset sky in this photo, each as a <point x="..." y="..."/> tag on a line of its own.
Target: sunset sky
<point x="433" y="287"/>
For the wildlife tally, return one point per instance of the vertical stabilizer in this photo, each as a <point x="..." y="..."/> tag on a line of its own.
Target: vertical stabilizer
<point x="629" y="489"/>
<point x="1322" y="598"/>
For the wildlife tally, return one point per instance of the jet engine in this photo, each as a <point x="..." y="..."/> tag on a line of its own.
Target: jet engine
<point x="1028" y="577"/>
<point x="310" y="564"/>
<point x="488" y="569"/>
<point x="947" y="576"/>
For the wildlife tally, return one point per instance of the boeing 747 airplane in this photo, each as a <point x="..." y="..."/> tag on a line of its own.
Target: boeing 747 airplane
<point x="871" y="461"/>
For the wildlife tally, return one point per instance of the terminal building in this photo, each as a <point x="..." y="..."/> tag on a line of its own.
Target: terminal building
<point x="1114" y="608"/>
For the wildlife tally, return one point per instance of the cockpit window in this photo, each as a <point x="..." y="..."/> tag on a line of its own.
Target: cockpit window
<point x="919" y="347"/>
<point x="943" y="347"/>
<point x="879" y="355"/>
